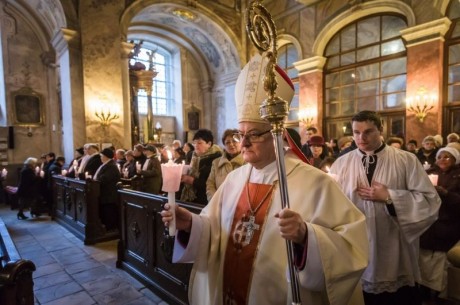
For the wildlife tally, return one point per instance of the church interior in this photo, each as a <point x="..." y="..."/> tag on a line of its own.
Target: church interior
<point x="123" y="72"/>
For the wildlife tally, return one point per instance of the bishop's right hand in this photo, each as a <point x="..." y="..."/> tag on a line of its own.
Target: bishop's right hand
<point x="183" y="217"/>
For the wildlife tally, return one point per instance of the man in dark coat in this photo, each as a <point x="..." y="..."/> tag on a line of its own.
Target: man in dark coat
<point x="151" y="171"/>
<point x="108" y="175"/>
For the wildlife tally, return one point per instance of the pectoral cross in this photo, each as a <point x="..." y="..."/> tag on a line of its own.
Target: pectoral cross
<point x="244" y="230"/>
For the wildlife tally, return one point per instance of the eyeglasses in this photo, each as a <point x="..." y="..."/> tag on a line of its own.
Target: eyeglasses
<point x="233" y="141"/>
<point x="252" y="136"/>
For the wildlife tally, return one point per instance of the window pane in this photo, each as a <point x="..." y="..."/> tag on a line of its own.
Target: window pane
<point x="334" y="46"/>
<point x="368" y="103"/>
<point x="332" y="95"/>
<point x="368" y="53"/>
<point x="455" y="124"/>
<point x="349" y="38"/>
<point x="394" y="84"/>
<point x="370" y="88"/>
<point x="391" y="25"/>
<point x="348" y="107"/>
<point x="367" y="72"/>
<point x="282" y="57"/>
<point x="292" y="73"/>
<point x="333" y="109"/>
<point x="333" y="62"/>
<point x="395" y="100"/>
<point x="368" y="31"/>
<point x="392" y="47"/>
<point x="142" y="104"/>
<point x="394" y="66"/>
<point x="456" y="32"/>
<point x="347" y="59"/>
<point x="159" y="59"/>
<point x="453" y="94"/>
<point x="294" y="102"/>
<point x="348" y="93"/>
<point x="347" y="77"/>
<point x="292" y="56"/>
<point x="454" y="74"/>
<point x="454" y="54"/>
<point x="332" y="80"/>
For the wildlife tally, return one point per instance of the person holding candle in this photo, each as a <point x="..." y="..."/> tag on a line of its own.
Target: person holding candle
<point x="205" y="152"/>
<point x="444" y="233"/>
<point x="75" y="163"/>
<point x="151" y="171"/>
<point x="391" y="188"/>
<point x="236" y="263"/>
<point x="230" y="160"/>
<point x="129" y="168"/>
<point x="427" y="153"/>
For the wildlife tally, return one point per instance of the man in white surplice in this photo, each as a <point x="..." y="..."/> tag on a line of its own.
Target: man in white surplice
<point x="238" y="244"/>
<point x="392" y="189"/>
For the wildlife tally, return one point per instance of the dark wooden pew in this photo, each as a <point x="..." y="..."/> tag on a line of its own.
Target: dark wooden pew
<point x="77" y="209"/>
<point x="16" y="283"/>
<point x="143" y="250"/>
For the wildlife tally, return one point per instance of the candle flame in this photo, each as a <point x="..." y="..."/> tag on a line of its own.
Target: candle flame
<point x="169" y="154"/>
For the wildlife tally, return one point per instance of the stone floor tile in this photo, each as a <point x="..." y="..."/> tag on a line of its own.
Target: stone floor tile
<point x="79" y="298"/>
<point x="103" y="284"/>
<point x="142" y="301"/>
<point x="118" y="296"/>
<point x="57" y="291"/>
<point x="82" y="265"/>
<point x="47" y="269"/>
<point x="150" y="295"/>
<point x="91" y="274"/>
<point x="51" y="280"/>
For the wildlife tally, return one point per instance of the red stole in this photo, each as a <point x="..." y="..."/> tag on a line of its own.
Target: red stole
<point x="240" y="253"/>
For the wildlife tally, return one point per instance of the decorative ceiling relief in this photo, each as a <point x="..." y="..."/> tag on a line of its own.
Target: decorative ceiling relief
<point x="205" y="34"/>
<point x="52" y="14"/>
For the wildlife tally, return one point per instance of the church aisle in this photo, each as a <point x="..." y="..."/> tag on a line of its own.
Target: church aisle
<point x="68" y="272"/>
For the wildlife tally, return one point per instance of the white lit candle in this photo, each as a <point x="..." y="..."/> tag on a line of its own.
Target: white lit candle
<point x="63" y="172"/>
<point x="426" y="165"/>
<point x="37" y="170"/>
<point x="433" y="179"/>
<point x="119" y="167"/>
<point x="88" y="176"/>
<point x="42" y="174"/>
<point x="4" y="173"/>
<point x="138" y="166"/>
<point x="171" y="173"/>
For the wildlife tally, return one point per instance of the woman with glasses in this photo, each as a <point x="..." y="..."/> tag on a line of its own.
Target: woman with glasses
<point x="195" y="181"/>
<point x="445" y="232"/>
<point x="230" y="160"/>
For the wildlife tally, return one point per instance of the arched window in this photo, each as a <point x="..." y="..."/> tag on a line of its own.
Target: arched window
<point x="287" y="56"/>
<point x="162" y="90"/>
<point x="453" y="69"/>
<point x="366" y="70"/>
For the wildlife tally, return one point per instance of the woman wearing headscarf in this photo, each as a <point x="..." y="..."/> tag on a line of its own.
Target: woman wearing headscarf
<point x="195" y="182"/>
<point x="230" y="160"/>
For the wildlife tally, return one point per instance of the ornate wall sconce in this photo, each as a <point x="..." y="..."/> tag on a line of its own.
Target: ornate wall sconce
<point x="421" y="103"/>
<point x="106" y="113"/>
<point x="307" y="115"/>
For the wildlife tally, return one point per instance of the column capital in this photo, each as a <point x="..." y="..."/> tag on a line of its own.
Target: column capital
<point x="126" y="48"/>
<point x="426" y="32"/>
<point x="64" y="39"/>
<point x="312" y="64"/>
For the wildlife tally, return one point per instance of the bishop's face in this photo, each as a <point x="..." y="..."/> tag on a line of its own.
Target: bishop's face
<point x="366" y="136"/>
<point x="257" y="145"/>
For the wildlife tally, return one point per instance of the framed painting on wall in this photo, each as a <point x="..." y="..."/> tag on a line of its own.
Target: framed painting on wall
<point x="28" y="108"/>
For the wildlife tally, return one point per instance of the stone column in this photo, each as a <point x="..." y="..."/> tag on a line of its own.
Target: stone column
<point x="208" y="104"/>
<point x="425" y="68"/>
<point x="128" y="128"/>
<point x="311" y="89"/>
<point x="67" y="45"/>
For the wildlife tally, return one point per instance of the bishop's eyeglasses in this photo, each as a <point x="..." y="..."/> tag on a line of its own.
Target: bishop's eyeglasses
<point x="252" y="136"/>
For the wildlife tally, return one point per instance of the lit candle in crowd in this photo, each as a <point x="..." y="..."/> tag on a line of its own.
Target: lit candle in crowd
<point x="433" y="179"/>
<point x="87" y="176"/>
<point x="171" y="173"/>
<point x="138" y="166"/>
<point x="4" y="173"/>
<point x="37" y="170"/>
<point x="42" y="174"/>
<point x="63" y="172"/>
<point x="426" y="165"/>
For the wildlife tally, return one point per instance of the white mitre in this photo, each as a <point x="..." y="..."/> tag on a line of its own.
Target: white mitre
<point x="250" y="93"/>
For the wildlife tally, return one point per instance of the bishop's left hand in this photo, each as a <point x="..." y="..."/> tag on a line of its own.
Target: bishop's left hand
<point x="291" y="226"/>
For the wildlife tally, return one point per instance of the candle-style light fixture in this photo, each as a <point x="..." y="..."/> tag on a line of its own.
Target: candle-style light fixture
<point x="157" y="132"/>
<point x="421" y="103"/>
<point x="307" y="115"/>
<point x="106" y="113"/>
